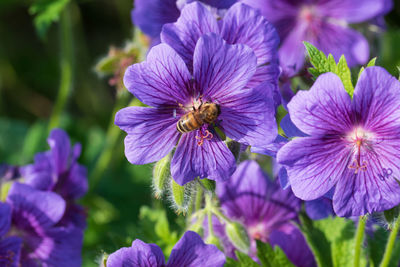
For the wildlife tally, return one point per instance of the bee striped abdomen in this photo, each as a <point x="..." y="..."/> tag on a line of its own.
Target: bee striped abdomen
<point x="189" y="122"/>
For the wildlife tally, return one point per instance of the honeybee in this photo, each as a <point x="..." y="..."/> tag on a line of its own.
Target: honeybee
<point x="193" y="120"/>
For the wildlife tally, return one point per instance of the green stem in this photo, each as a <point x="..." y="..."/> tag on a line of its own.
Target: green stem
<point x="390" y="244"/>
<point x="66" y="64"/>
<point x="112" y="136"/>
<point x="199" y="197"/>
<point x="209" y="206"/>
<point x="359" y="240"/>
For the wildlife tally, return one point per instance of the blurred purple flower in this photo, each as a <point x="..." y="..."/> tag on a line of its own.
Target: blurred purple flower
<point x="240" y="24"/>
<point x="322" y="23"/>
<point x="58" y="170"/>
<point x="31" y="235"/>
<point x="266" y="211"/>
<point x="189" y="251"/>
<point x="10" y="247"/>
<point x="353" y="145"/>
<point x="151" y="15"/>
<point x="220" y="73"/>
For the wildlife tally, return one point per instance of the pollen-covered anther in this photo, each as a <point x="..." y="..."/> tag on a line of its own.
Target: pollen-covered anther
<point x="207" y="136"/>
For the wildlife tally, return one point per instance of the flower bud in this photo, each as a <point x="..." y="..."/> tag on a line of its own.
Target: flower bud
<point x="161" y="173"/>
<point x="209" y="185"/>
<point x="238" y="236"/>
<point x="180" y="196"/>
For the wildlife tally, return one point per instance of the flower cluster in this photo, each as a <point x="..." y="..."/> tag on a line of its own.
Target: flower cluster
<point x="40" y="223"/>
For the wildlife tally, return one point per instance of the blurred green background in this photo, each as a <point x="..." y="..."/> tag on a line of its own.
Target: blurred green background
<point x="30" y="75"/>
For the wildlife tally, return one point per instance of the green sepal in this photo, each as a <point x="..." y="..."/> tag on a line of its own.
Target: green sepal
<point x="161" y="174"/>
<point x="238" y="236"/>
<point x="208" y="184"/>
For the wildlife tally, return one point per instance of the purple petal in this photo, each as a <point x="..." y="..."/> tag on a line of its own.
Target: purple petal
<point x="314" y="165"/>
<point x="319" y="208"/>
<point x="373" y="189"/>
<point x="74" y="216"/>
<point x="151" y="15"/>
<point x="163" y="80"/>
<point x="249" y="116"/>
<point x="60" y="149"/>
<point x="324" y="109"/>
<point x="294" y="245"/>
<point x="245" y="25"/>
<point x="220" y="69"/>
<point x="190" y="251"/>
<point x="292" y="51"/>
<point x="139" y="255"/>
<point x="339" y="40"/>
<point x="249" y="196"/>
<point x="272" y="148"/>
<point x="151" y="133"/>
<point x="377" y="101"/>
<point x="212" y="160"/>
<point x="283" y="178"/>
<point x="5" y="218"/>
<point x="74" y="184"/>
<point x="40" y="175"/>
<point x="355" y="11"/>
<point x="220" y="4"/>
<point x="289" y="128"/>
<point x="34" y="208"/>
<point x="195" y="21"/>
<point x="10" y="250"/>
<point x="58" y="247"/>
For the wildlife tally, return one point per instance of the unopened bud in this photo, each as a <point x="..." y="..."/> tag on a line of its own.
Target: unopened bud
<point x="180" y="197"/>
<point x="238" y="236"/>
<point x="209" y="185"/>
<point x="161" y="173"/>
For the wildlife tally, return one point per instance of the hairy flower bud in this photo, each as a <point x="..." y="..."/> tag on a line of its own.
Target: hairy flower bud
<point x="161" y="173"/>
<point x="180" y="196"/>
<point x="237" y="234"/>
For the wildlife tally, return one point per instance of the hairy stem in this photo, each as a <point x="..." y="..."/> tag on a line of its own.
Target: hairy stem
<point x="359" y="240"/>
<point x="390" y="244"/>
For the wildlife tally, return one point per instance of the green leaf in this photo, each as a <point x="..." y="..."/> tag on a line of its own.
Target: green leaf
<point x="371" y="62"/>
<point x="46" y="12"/>
<point x="271" y="257"/>
<point x="332" y="241"/>
<point x="323" y="64"/>
<point x="245" y="260"/>
<point x="344" y="74"/>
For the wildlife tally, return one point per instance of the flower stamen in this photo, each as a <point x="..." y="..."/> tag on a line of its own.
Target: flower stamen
<point x="207" y="136"/>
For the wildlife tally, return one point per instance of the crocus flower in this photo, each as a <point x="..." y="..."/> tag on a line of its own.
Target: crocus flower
<point x="353" y="144"/>
<point x="267" y="212"/>
<point x="322" y="23"/>
<point x="220" y="73"/>
<point x="190" y="251"/>
<point x="29" y="223"/>
<point x="151" y="15"/>
<point x="240" y="24"/>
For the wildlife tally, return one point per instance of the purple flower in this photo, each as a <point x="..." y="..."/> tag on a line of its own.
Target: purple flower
<point x="151" y="15"/>
<point x="322" y="23"/>
<point x="220" y="73"/>
<point x="241" y="24"/>
<point x="58" y="170"/>
<point x="353" y="145"/>
<point x="10" y="247"/>
<point x="266" y="211"/>
<point x="31" y="217"/>
<point x="190" y="251"/>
